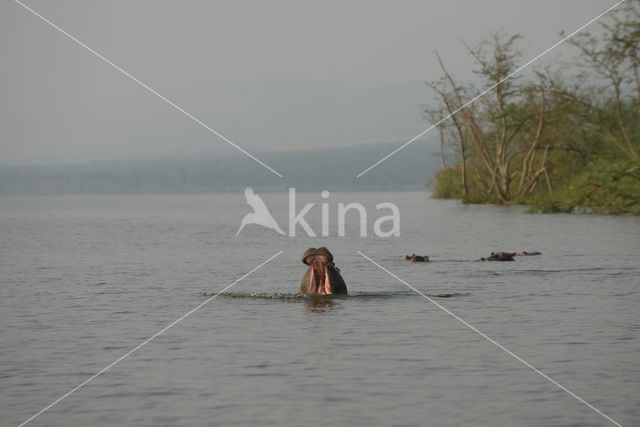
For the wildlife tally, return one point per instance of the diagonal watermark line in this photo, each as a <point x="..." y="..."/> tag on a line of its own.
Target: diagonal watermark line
<point x="165" y="99"/>
<point x="491" y="340"/>
<point x="489" y="89"/>
<point x="142" y="344"/>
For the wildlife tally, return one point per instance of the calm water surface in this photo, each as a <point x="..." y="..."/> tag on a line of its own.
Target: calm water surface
<point x="85" y="279"/>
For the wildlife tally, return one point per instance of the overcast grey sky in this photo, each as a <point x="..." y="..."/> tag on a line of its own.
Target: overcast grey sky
<point x="267" y="74"/>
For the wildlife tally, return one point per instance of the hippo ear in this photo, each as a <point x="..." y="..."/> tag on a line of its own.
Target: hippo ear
<point x="308" y="253"/>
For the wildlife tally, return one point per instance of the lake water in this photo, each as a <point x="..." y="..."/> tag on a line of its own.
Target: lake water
<point x="86" y="279"/>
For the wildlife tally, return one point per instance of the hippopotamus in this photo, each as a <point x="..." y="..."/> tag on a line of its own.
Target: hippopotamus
<point x="322" y="276"/>
<point x="525" y="253"/>
<point x="499" y="256"/>
<point x="416" y="258"/>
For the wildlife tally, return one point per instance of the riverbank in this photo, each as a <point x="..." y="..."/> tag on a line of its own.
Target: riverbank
<point x="598" y="187"/>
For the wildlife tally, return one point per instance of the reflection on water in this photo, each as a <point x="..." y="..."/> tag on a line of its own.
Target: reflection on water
<point x="319" y="304"/>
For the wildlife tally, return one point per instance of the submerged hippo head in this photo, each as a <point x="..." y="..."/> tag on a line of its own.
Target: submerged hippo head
<point x="322" y="276"/>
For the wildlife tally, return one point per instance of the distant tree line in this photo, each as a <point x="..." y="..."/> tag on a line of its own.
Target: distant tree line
<point x="566" y="139"/>
<point x="331" y="168"/>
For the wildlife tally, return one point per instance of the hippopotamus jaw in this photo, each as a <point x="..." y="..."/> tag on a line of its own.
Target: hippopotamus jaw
<point x="320" y="285"/>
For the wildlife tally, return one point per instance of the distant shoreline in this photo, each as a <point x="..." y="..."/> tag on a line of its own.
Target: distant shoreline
<point x="426" y="192"/>
<point x="306" y="170"/>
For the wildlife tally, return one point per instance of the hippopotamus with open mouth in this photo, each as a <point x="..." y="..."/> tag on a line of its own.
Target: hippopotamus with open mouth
<point x="322" y="277"/>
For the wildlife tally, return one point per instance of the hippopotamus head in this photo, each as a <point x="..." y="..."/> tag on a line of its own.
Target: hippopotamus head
<point x="416" y="258"/>
<point x="313" y="255"/>
<point x="322" y="276"/>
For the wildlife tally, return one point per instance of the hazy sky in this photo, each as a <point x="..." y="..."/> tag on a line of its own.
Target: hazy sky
<point x="267" y="74"/>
